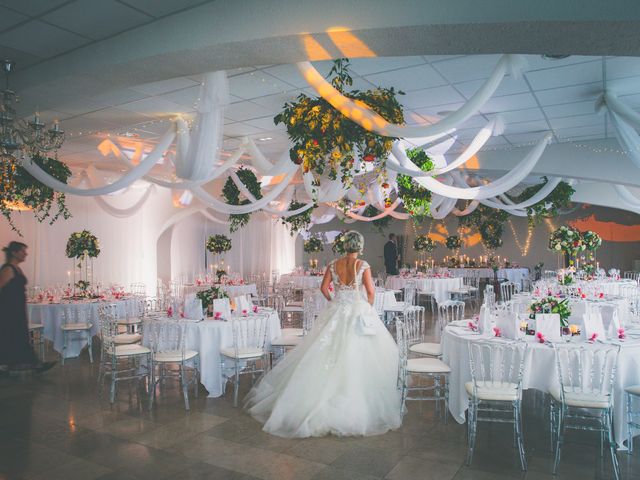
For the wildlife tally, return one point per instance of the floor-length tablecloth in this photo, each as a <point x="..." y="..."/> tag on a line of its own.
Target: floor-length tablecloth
<point x="539" y="372"/>
<point x="439" y="286"/>
<point x="50" y="315"/>
<point x="208" y="337"/>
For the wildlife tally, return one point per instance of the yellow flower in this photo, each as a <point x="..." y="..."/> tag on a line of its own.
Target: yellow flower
<point x="573" y="329"/>
<point x="336" y="154"/>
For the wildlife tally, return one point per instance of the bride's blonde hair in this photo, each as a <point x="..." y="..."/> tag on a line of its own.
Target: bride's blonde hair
<point x="353" y="242"/>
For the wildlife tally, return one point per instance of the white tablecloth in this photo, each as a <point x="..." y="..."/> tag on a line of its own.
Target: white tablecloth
<point x="439" y="286"/>
<point x="515" y="275"/>
<point x="539" y="372"/>
<point x="302" y="281"/>
<point x="231" y="290"/>
<point x="50" y="315"/>
<point x="208" y="338"/>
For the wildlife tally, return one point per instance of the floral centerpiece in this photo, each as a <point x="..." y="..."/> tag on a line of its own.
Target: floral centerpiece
<point x="82" y="244"/>
<point x="591" y="240"/>
<point x="208" y="296"/>
<point x="566" y="240"/>
<point x="218" y="244"/>
<point x="327" y="142"/>
<point x="338" y="244"/>
<point x="453" y="242"/>
<point x="231" y="194"/>
<point x="313" y="244"/>
<point x="416" y="198"/>
<point x="552" y="305"/>
<point x="27" y="193"/>
<point x="423" y="243"/>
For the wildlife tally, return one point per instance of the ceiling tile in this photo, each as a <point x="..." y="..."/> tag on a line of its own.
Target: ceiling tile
<point x="256" y="84"/>
<point x="439" y="58"/>
<point x="245" y="110"/>
<point x="239" y="129"/>
<point x="619" y="67"/>
<point x="430" y="97"/>
<point x="569" y="109"/>
<point x="467" y="68"/>
<point x="9" y="18"/>
<point x="577" y="121"/>
<point x="519" y="101"/>
<point x="159" y="8"/>
<point x="74" y="126"/>
<point x="508" y="86"/>
<point x="367" y="66"/>
<point x="96" y="18"/>
<point x="22" y="59"/>
<point x="41" y="39"/>
<point x="119" y="116"/>
<point x="408" y="79"/>
<point x="156" y="106"/>
<point x="576" y="93"/>
<point x="565" y="76"/>
<point x="632" y="101"/>
<point x="186" y="96"/>
<point x="164" y="86"/>
<point x="526" y="127"/>
<point x="565" y="133"/>
<point x="266" y="123"/>
<point x="525" y="138"/>
<point x="537" y="62"/>
<point x="525" y="115"/>
<point x="288" y="74"/>
<point x="275" y="103"/>
<point x="118" y="97"/>
<point x="32" y="7"/>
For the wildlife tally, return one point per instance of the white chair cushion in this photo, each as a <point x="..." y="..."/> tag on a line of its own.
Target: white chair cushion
<point x="295" y="304"/>
<point x="36" y="326"/>
<point x="292" y="332"/>
<point x="427" y="365"/>
<point x="129" y="321"/>
<point x="242" y="353"/>
<point x="432" y="349"/>
<point x="286" y="341"/>
<point x="581" y="399"/>
<point x="633" y="390"/>
<point x="130" y="350"/>
<point x="290" y="308"/>
<point x="425" y="292"/>
<point x="494" y="391"/>
<point x="76" y="326"/>
<point x="174" y="356"/>
<point x="127" y="338"/>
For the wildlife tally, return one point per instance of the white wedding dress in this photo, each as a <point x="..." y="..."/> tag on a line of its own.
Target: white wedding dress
<point x="337" y="380"/>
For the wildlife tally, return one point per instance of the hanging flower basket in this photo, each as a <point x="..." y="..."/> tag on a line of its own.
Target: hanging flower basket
<point x="453" y="242"/>
<point x="423" y="243"/>
<point x="300" y="222"/>
<point x="218" y="244"/>
<point x="313" y="245"/>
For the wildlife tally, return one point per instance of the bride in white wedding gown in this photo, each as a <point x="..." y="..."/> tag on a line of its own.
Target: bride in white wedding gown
<point x="341" y="379"/>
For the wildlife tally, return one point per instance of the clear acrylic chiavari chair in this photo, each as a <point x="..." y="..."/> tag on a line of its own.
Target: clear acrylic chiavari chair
<point x="76" y="327"/>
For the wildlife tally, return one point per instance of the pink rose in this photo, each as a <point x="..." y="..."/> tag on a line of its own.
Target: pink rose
<point x="621" y="334"/>
<point x="593" y="338"/>
<point x="244" y="312"/>
<point x="255" y="309"/>
<point x="540" y="337"/>
<point x="217" y="315"/>
<point x="497" y="332"/>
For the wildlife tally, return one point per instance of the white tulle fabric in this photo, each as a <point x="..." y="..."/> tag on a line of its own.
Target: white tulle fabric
<point x="336" y="381"/>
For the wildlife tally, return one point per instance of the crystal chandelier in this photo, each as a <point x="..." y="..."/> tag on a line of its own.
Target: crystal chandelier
<point x="20" y="138"/>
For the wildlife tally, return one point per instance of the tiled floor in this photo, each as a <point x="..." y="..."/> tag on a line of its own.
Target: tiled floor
<point x="54" y="426"/>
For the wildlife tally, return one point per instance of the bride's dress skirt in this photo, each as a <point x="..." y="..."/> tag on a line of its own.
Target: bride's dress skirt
<point x="336" y="381"/>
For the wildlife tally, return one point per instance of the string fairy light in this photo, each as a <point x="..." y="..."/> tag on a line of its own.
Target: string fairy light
<point x="524" y="250"/>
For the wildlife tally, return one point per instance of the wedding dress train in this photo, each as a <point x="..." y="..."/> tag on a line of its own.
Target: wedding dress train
<point x="341" y="379"/>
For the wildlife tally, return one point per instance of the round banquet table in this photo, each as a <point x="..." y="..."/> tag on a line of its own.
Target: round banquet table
<point x="302" y="281"/>
<point x="50" y="315"/>
<point x="208" y="337"/>
<point x="231" y="290"/>
<point x="515" y="275"/>
<point x="539" y="372"/>
<point x="439" y="286"/>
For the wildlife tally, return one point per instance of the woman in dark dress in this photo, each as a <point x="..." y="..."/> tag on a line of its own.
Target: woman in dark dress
<point x="15" y="349"/>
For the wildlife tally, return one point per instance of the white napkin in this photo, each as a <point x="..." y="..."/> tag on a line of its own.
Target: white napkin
<point x="242" y="303"/>
<point x="593" y="324"/>
<point x="508" y="324"/>
<point x="548" y="324"/>
<point x="192" y="306"/>
<point x="222" y="305"/>
<point x="614" y="325"/>
<point x="484" y="320"/>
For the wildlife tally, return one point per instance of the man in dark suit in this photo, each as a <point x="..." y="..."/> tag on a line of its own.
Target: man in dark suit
<point x="391" y="255"/>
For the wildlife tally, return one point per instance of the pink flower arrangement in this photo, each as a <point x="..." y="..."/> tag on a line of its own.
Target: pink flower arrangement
<point x="255" y="309"/>
<point x="583" y="295"/>
<point x="217" y="315"/>
<point x="170" y="312"/>
<point x="601" y="295"/>
<point x="593" y="338"/>
<point x="244" y="312"/>
<point x="540" y="337"/>
<point x="621" y="334"/>
<point x="497" y="332"/>
<point x="472" y="326"/>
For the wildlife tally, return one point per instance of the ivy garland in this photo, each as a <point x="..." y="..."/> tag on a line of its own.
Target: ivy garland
<point x="325" y="141"/>
<point x="550" y="206"/>
<point x="424" y="243"/>
<point x="416" y="198"/>
<point x="299" y="222"/>
<point x="453" y="242"/>
<point x="231" y="194"/>
<point x="31" y="193"/>
<point x="313" y="245"/>
<point x="490" y="224"/>
<point x="380" y="224"/>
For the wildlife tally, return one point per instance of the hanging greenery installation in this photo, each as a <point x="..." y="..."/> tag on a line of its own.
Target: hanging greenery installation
<point x="299" y="222"/>
<point x="231" y="194"/>
<point x="416" y="198"/>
